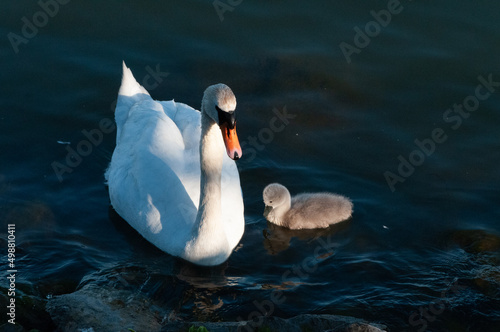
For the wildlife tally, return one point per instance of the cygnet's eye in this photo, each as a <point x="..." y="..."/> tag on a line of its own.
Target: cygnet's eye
<point x="270" y="201"/>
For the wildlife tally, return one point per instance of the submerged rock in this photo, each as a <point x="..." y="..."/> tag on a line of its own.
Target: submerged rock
<point x="484" y="250"/>
<point x="30" y="310"/>
<point x="109" y="302"/>
<point x="476" y="241"/>
<point x="102" y="310"/>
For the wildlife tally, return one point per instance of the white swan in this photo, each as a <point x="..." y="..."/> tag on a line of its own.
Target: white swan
<point x="304" y="211"/>
<point x="170" y="177"/>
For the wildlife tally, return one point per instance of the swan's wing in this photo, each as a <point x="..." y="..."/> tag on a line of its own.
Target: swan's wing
<point x="148" y="177"/>
<point x="154" y="172"/>
<point x="188" y="123"/>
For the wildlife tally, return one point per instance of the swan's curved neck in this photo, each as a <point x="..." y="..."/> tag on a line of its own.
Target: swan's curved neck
<point x="208" y="219"/>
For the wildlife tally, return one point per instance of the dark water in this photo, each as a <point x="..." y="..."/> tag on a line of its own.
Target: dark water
<point x="423" y="254"/>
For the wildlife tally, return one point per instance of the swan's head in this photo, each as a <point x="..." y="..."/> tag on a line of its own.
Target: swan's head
<point x="275" y="195"/>
<point x="219" y="103"/>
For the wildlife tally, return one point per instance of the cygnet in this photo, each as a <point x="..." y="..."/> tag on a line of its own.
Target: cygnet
<point x="304" y="211"/>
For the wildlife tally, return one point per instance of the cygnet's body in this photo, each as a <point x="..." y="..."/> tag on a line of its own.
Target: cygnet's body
<point x="304" y="211"/>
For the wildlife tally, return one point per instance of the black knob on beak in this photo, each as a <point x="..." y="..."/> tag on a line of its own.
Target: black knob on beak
<point x="228" y="118"/>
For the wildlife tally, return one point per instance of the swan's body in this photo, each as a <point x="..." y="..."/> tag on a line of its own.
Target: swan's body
<point x="180" y="192"/>
<point x="304" y="211"/>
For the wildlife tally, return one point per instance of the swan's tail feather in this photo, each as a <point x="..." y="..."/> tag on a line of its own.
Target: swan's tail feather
<point x="129" y="94"/>
<point x="129" y="86"/>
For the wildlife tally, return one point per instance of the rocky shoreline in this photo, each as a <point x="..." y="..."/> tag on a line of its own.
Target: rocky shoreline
<point x="106" y="307"/>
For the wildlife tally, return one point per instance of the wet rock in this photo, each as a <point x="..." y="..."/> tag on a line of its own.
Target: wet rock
<point x="476" y="241"/>
<point x="107" y="303"/>
<point x="30" y="310"/>
<point x="484" y="248"/>
<point x="97" y="309"/>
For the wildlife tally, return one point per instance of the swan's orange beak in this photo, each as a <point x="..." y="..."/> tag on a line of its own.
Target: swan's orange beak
<point x="233" y="147"/>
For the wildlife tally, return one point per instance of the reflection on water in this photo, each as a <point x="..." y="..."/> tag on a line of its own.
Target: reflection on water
<point x="277" y="238"/>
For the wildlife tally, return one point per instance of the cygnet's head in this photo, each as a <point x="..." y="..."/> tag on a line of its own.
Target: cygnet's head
<point x="275" y="195"/>
<point x="219" y="103"/>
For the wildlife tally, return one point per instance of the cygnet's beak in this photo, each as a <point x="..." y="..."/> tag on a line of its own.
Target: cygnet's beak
<point x="267" y="209"/>
<point x="227" y="124"/>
